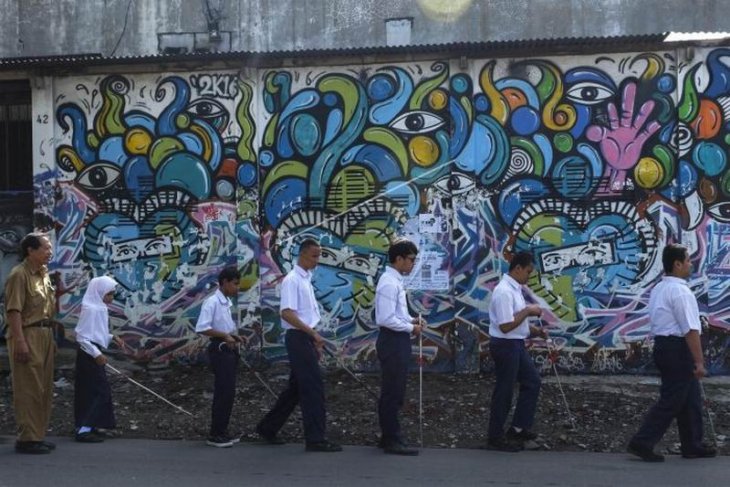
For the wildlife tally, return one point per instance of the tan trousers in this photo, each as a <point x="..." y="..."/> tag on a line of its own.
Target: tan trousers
<point x="33" y="384"/>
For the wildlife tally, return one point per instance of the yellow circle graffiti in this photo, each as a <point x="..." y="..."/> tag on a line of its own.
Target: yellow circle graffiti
<point x="648" y="173"/>
<point x="444" y="10"/>
<point x="137" y="141"/>
<point x="424" y="151"/>
<point x="437" y="99"/>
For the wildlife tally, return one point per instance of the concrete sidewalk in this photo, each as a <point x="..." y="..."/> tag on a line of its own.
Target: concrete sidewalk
<point x="126" y="462"/>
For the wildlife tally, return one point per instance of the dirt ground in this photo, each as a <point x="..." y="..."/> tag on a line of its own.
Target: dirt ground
<point x="607" y="409"/>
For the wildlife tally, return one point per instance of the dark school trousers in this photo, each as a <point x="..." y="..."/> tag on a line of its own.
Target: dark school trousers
<point x="93" y="405"/>
<point x="394" y="354"/>
<point x="679" y="397"/>
<point x="305" y="388"/>
<point x="512" y="364"/>
<point x="224" y="363"/>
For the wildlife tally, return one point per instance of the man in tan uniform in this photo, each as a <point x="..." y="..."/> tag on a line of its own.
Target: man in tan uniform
<point x="30" y="305"/>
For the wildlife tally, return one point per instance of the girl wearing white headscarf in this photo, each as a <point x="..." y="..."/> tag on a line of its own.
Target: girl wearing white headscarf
<point x="93" y="407"/>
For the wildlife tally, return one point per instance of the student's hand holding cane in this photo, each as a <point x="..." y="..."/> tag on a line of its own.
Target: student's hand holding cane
<point x="101" y="360"/>
<point x="319" y="343"/>
<point x="699" y="370"/>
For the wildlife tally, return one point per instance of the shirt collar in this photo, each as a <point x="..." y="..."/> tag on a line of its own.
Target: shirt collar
<point x="222" y="298"/>
<point x="302" y="273"/>
<point x="676" y="280"/>
<point x="512" y="283"/>
<point x="391" y="271"/>
<point x="42" y="270"/>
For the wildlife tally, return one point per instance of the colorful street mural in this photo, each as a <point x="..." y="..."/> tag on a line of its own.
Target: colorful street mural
<point x="16" y="220"/>
<point x="593" y="163"/>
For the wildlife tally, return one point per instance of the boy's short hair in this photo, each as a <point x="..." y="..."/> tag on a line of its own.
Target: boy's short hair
<point x="522" y="259"/>
<point x="671" y="254"/>
<point x="401" y="248"/>
<point x="307" y="244"/>
<point x="229" y="273"/>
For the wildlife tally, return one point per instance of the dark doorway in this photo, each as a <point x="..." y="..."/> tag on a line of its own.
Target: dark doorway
<point x="16" y="151"/>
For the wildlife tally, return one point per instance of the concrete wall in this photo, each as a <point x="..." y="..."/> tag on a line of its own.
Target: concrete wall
<point x="130" y="27"/>
<point x="593" y="162"/>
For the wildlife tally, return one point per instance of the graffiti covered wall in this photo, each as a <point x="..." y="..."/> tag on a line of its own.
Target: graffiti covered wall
<point x="591" y="162"/>
<point x="16" y="220"/>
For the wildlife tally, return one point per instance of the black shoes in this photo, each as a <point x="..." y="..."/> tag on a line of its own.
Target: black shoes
<point x="323" y="446"/>
<point x="270" y="439"/>
<point x="646" y="454"/>
<point x="398" y="448"/>
<point x="219" y="441"/>
<point x="502" y="444"/>
<point x="34" y="447"/>
<point x="522" y="436"/>
<point x="702" y="452"/>
<point x="89" y="437"/>
<point x="107" y="434"/>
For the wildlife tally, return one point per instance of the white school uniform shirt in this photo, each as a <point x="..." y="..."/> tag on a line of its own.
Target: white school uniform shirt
<point x="391" y="307"/>
<point x="297" y="294"/>
<point x="215" y="314"/>
<point x="93" y="325"/>
<point x="507" y="300"/>
<point x="673" y="309"/>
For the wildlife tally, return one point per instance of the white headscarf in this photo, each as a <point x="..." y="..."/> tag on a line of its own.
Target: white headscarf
<point x="94" y="318"/>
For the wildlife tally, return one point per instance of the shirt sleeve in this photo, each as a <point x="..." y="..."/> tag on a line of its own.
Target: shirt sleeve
<point x="205" y="320"/>
<point x="15" y="292"/>
<point x="502" y="307"/>
<point x="686" y="311"/>
<point x="289" y="295"/>
<point x="88" y="347"/>
<point x="386" y="307"/>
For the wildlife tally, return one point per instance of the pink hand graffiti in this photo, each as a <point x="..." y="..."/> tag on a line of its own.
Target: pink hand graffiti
<point x="622" y="141"/>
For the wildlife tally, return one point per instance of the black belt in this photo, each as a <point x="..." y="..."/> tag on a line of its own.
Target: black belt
<point x="41" y="324"/>
<point x="670" y="338"/>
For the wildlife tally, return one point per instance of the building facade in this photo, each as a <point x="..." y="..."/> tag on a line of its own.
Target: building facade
<point x="162" y="170"/>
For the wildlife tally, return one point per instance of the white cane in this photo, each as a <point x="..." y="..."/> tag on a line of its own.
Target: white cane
<point x="552" y="355"/>
<point x="420" y="382"/>
<point x="117" y="371"/>
<point x="709" y="413"/>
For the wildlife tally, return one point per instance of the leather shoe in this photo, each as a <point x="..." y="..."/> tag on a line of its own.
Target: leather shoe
<point x="646" y="454"/>
<point x="703" y="451"/>
<point x="270" y="439"/>
<point x="524" y="435"/>
<point x="48" y="444"/>
<point x="501" y="444"/>
<point x="88" y="437"/>
<point x="323" y="446"/>
<point x="397" y="448"/>
<point x="31" y="447"/>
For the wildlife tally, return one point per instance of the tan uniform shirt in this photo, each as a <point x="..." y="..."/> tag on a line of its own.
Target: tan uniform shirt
<point x="30" y="293"/>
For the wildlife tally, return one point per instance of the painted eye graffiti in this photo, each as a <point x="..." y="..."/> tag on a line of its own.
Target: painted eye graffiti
<point x="209" y="110"/>
<point x="720" y="211"/>
<point x="99" y="176"/>
<point x="589" y="93"/>
<point x="455" y="184"/>
<point x="417" y="122"/>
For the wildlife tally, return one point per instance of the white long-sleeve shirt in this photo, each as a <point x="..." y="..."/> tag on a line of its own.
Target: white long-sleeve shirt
<point x="92" y="330"/>
<point x="673" y="309"/>
<point x="391" y="307"/>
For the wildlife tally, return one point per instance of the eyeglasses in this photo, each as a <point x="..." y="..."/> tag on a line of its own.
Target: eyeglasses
<point x="412" y="258"/>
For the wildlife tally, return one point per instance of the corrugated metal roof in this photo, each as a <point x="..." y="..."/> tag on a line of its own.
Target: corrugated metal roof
<point x="538" y="46"/>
